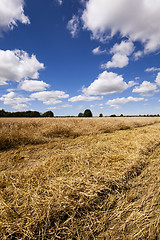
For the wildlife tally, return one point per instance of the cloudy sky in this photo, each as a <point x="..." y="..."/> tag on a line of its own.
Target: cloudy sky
<point x="69" y="55"/>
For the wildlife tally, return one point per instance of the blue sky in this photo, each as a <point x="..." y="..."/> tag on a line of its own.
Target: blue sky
<point x="69" y="55"/>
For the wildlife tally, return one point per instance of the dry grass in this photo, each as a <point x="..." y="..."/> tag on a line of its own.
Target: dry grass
<point x="17" y="131"/>
<point x="95" y="183"/>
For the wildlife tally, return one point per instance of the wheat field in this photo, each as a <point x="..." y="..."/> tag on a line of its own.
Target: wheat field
<point x="80" y="178"/>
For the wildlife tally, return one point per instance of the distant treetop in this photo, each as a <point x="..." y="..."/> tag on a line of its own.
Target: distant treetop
<point x="87" y="113"/>
<point x="48" y="114"/>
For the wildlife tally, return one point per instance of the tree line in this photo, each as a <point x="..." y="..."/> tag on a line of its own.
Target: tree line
<point x="87" y="113"/>
<point x="3" y="113"/>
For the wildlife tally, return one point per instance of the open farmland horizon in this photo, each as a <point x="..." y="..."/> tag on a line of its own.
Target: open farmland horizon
<point x="36" y="114"/>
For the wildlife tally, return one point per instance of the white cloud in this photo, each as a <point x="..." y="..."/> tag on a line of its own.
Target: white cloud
<point x="20" y="107"/>
<point x="146" y="88"/>
<point x="66" y="106"/>
<point x="107" y="83"/>
<point x="115" y="103"/>
<point x="98" y="51"/>
<point x="137" y="20"/>
<point x="123" y="100"/>
<point x="53" y="108"/>
<point x="59" y="107"/>
<point x="138" y="54"/>
<point x="118" y="61"/>
<point x="49" y="97"/>
<point x="158" y="79"/>
<point x="124" y="48"/>
<point x="81" y="98"/>
<point x="33" y="85"/>
<point x="115" y="106"/>
<point x="152" y="69"/>
<point x="73" y="26"/>
<point x="12" y="11"/>
<point x="17" y="65"/>
<point x="3" y="82"/>
<point x="60" y="2"/>
<point x="95" y="105"/>
<point x="17" y="102"/>
<point x="121" y="52"/>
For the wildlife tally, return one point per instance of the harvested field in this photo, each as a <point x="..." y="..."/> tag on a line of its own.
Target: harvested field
<point x="19" y="131"/>
<point x="80" y="178"/>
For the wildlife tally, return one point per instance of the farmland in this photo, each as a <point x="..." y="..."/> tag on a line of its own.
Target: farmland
<point x="80" y="178"/>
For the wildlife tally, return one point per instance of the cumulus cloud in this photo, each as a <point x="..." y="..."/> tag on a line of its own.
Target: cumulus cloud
<point x="152" y="69"/>
<point x="17" y="102"/>
<point x="137" y="20"/>
<point x="49" y="97"/>
<point x="12" y="11"/>
<point x="107" y="83"/>
<point x="115" y="102"/>
<point x="17" y="65"/>
<point x="124" y="48"/>
<point x="121" y="52"/>
<point x="118" y="61"/>
<point x="33" y="85"/>
<point x="83" y="98"/>
<point x="73" y="26"/>
<point x="98" y="51"/>
<point x="146" y="88"/>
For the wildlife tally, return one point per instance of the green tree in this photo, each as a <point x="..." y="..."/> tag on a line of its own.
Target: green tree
<point x="31" y="114"/>
<point x="2" y="113"/>
<point x="48" y="114"/>
<point x="80" y="115"/>
<point x="87" y="113"/>
<point x="100" y="115"/>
